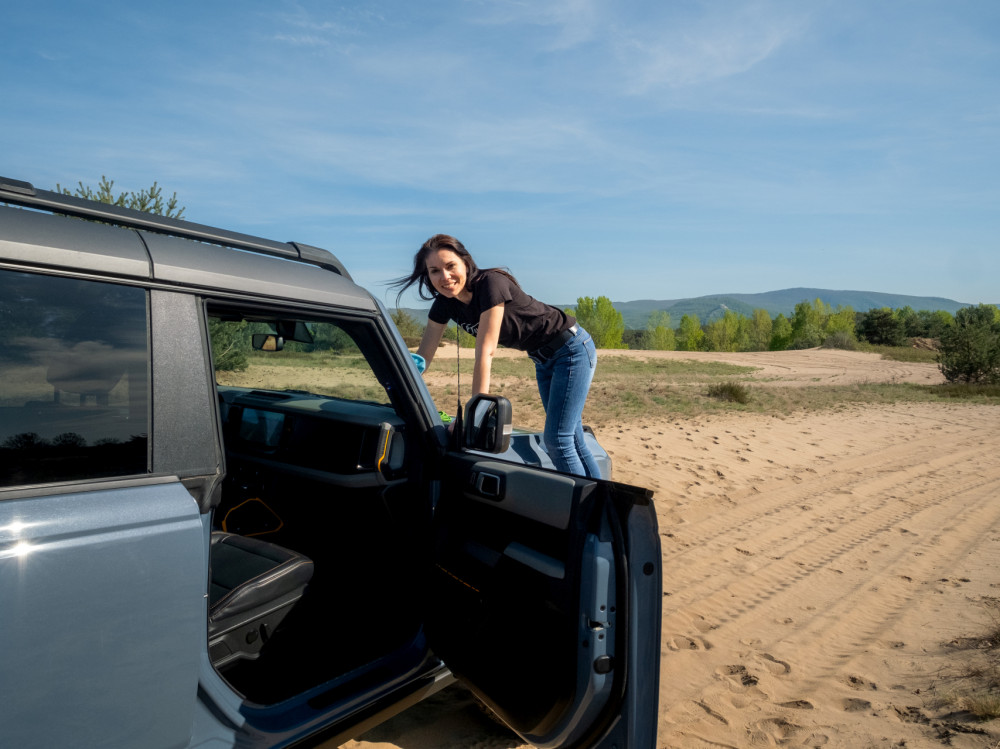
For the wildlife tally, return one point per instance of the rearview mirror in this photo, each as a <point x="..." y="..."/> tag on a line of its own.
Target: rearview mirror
<point x="488" y="423"/>
<point x="267" y="342"/>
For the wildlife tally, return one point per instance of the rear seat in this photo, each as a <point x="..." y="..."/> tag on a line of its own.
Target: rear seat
<point x="254" y="585"/>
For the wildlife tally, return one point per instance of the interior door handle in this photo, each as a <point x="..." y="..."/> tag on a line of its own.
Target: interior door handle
<point x="489" y="485"/>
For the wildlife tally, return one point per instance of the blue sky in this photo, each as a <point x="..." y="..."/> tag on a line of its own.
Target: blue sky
<point x="636" y="150"/>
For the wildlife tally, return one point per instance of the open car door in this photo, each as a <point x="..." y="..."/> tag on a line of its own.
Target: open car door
<point x="546" y="601"/>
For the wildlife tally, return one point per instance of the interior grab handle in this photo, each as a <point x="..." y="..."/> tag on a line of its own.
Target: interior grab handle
<point x="489" y="485"/>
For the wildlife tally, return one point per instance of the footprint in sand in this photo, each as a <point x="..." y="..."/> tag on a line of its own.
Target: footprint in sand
<point x="911" y="715"/>
<point x="856" y="682"/>
<point x="737" y="674"/>
<point x="797" y="705"/>
<point x="773" y="665"/>
<point x="702" y="625"/>
<point x="718" y="716"/>
<point x="816" y="739"/>
<point x="853" y="705"/>
<point x="682" y="642"/>
<point x="772" y="732"/>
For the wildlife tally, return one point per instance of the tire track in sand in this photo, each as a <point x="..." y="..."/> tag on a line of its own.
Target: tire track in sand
<point x="773" y="606"/>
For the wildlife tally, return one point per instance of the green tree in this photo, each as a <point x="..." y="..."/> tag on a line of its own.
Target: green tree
<point x="149" y="200"/>
<point x="842" y="322"/>
<point x="230" y="344"/>
<point x="807" y="324"/>
<point x="881" y="327"/>
<point x="934" y="323"/>
<point x="600" y="318"/>
<point x="689" y="334"/>
<point x="970" y="349"/>
<point x="327" y="337"/>
<point x="759" y="331"/>
<point x="408" y="327"/>
<point x="659" y="335"/>
<point x="453" y="334"/>
<point x="909" y="321"/>
<point x="725" y="333"/>
<point x="781" y="333"/>
<point x="634" y="338"/>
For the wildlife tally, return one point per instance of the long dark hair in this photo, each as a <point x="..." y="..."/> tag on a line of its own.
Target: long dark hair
<point x="425" y="289"/>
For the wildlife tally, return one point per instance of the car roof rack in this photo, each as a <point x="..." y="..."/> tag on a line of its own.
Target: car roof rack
<point x="27" y="195"/>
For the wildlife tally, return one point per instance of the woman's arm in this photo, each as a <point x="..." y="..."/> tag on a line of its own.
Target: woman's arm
<point x="430" y="341"/>
<point x="487" y="338"/>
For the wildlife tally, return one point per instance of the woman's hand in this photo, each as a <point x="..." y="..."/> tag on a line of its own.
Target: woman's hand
<point x="430" y="341"/>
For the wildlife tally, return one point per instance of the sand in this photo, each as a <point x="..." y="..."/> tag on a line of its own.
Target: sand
<point x="823" y="573"/>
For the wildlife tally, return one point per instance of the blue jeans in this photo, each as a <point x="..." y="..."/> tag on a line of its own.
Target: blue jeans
<point x="563" y="382"/>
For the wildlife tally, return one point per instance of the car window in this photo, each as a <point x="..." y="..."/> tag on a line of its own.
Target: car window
<point x="73" y="379"/>
<point x="291" y="355"/>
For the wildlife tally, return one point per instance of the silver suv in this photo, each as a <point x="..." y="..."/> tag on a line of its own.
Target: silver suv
<point x="230" y="514"/>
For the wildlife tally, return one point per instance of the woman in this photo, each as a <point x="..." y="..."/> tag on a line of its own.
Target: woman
<point x="491" y="305"/>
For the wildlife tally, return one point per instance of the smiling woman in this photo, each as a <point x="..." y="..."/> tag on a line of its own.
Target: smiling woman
<point x="491" y="306"/>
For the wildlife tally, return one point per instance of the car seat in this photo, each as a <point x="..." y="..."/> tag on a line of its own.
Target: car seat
<point x="254" y="585"/>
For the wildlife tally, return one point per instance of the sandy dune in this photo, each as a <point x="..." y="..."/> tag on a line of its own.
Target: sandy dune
<point x="820" y="570"/>
<point x="810" y="366"/>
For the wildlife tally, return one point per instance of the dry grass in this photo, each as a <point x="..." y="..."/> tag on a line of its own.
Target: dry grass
<point x="624" y="387"/>
<point x="734" y="392"/>
<point x="978" y="685"/>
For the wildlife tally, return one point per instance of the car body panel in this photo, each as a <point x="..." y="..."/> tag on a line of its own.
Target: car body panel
<point x="103" y="594"/>
<point x="52" y="241"/>
<point x="196" y="265"/>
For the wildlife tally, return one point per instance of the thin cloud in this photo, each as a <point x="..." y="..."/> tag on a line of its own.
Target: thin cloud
<point x="574" y="22"/>
<point x="675" y="53"/>
<point x="302" y="40"/>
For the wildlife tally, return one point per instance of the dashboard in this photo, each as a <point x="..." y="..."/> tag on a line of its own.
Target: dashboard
<point x="311" y="431"/>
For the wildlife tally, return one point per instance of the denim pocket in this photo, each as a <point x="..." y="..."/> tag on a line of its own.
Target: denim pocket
<point x="591" y="349"/>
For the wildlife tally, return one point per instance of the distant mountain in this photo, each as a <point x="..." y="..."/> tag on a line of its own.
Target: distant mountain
<point x="707" y="308"/>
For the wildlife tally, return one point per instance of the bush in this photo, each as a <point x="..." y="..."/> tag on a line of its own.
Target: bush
<point x="735" y="392"/>
<point x="841" y="340"/>
<point x="407" y="325"/>
<point x="230" y="345"/>
<point x="970" y="349"/>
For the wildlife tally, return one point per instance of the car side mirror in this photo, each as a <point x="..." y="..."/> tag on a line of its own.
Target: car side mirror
<point x="267" y="342"/>
<point x="488" y="423"/>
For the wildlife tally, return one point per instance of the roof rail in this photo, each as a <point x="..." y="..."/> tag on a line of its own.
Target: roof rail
<point x="25" y="194"/>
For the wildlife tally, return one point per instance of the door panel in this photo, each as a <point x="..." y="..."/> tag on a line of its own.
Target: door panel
<point x="546" y="587"/>
<point x="104" y="592"/>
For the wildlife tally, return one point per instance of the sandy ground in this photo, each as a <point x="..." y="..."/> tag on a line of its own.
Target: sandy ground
<point x="821" y="571"/>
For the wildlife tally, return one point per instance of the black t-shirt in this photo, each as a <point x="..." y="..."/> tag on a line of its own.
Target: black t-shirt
<point x="527" y="323"/>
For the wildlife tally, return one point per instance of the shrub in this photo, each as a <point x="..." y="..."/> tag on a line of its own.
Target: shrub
<point x="970" y="349"/>
<point x="841" y="340"/>
<point x="735" y="392"/>
<point x="230" y="345"/>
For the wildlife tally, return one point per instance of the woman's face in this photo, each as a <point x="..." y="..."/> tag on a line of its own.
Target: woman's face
<point x="447" y="272"/>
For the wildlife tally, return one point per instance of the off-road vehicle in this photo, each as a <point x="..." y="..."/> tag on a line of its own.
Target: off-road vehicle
<point x="230" y="514"/>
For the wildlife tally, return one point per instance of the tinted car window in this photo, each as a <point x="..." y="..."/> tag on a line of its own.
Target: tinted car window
<point x="73" y="379"/>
